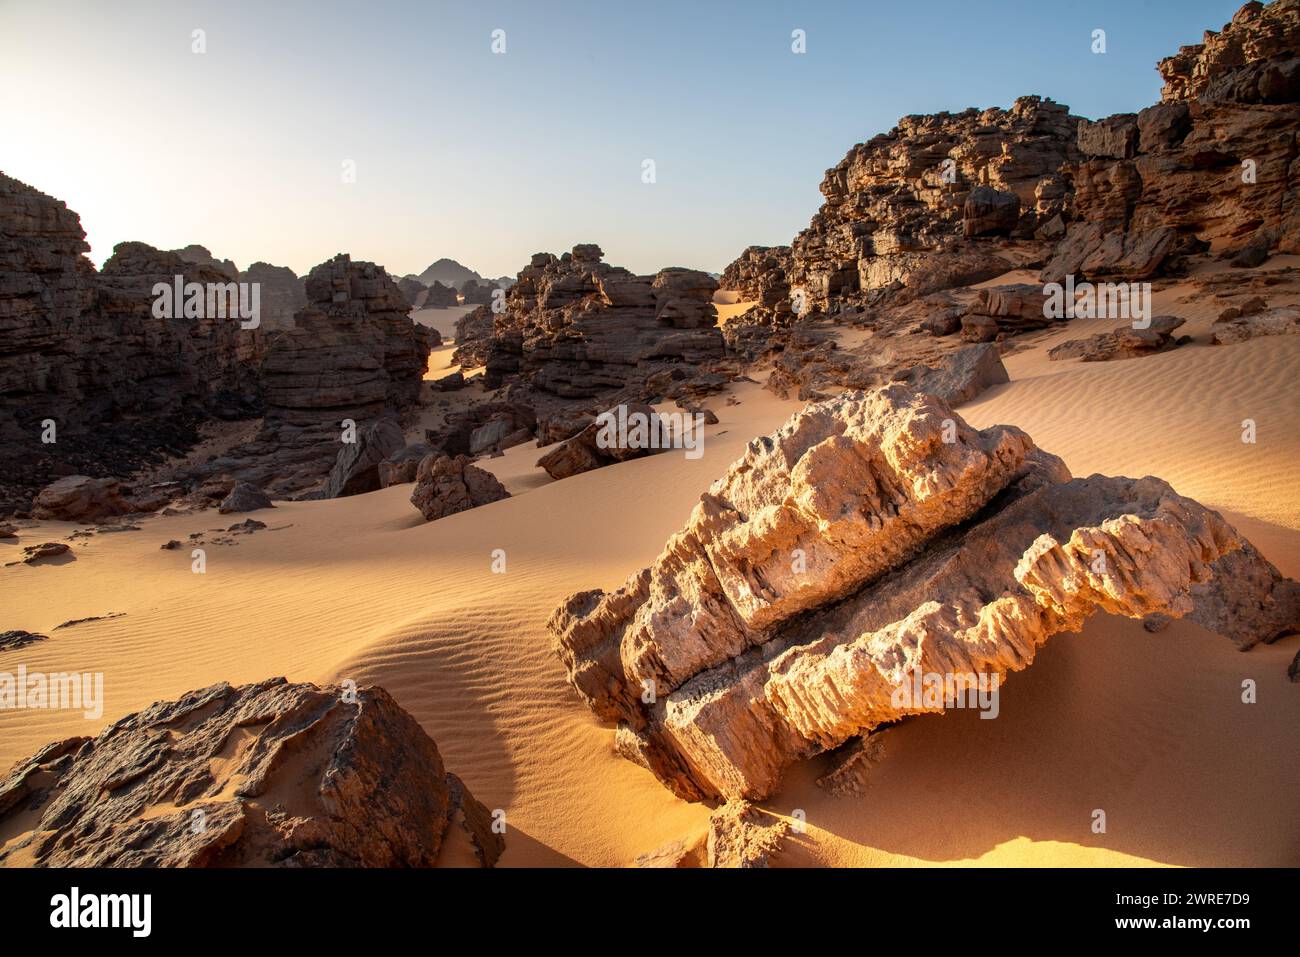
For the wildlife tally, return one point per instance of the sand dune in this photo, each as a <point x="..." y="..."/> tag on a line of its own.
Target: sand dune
<point x="1149" y="728"/>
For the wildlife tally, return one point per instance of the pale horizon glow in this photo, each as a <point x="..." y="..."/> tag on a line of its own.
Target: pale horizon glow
<point x="486" y="159"/>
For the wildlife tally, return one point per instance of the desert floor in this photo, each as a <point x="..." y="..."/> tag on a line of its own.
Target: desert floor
<point x="1149" y="727"/>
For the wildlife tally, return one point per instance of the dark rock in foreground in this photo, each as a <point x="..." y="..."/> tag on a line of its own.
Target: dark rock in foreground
<point x="268" y="774"/>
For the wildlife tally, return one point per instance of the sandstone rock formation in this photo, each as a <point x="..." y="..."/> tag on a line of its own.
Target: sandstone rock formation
<point x="586" y="450"/>
<point x="482" y="428"/>
<point x="562" y="425"/>
<point x="1282" y="321"/>
<point x="356" y="470"/>
<point x="1258" y="33"/>
<point x="1005" y="310"/>
<point x="353" y="355"/>
<point x="438" y="296"/>
<point x="477" y="293"/>
<point x="934" y="203"/>
<point x="1125" y="342"/>
<point x="577" y="327"/>
<point x="411" y="289"/>
<point x="473" y="338"/>
<point x="34" y="554"/>
<point x="244" y="497"/>
<point x="202" y="256"/>
<point x="948" y="200"/>
<point x="401" y="467"/>
<point x="282" y="294"/>
<point x="85" y="352"/>
<point x="267" y="774"/>
<point x="876" y="538"/>
<point x="445" y="485"/>
<point x="80" y="498"/>
<point x="1209" y="166"/>
<point x="961" y="376"/>
<point x="759" y="275"/>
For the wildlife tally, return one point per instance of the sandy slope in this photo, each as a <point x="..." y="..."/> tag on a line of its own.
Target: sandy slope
<point x="1149" y="728"/>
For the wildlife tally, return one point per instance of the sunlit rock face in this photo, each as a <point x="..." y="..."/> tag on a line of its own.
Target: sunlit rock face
<point x="876" y="537"/>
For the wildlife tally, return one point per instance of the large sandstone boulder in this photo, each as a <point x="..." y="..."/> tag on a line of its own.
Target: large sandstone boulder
<point x="1010" y="309"/>
<point x="263" y="775"/>
<point x="400" y="467"/>
<point x="988" y="210"/>
<point x="356" y="470"/>
<point x="445" y="485"/>
<point x="874" y="539"/>
<point x="80" y="498"/>
<point x="962" y="375"/>
<point x="244" y="497"/>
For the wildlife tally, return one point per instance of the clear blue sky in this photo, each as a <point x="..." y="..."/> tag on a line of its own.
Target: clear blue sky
<point x="488" y="158"/>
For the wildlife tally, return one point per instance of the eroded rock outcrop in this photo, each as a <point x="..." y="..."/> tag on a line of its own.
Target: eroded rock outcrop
<point x="244" y="497"/>
<point x="357" y="468"/>
<point x="1210" y="167"/>
<point x="438" y="296"/>
<point x="961" y="376"/>
<point x="949" y="200"/>
<point x="473" y="338"/>
<point x="84" y="352"/>
<point x="576" y="327"/>
<point x="593" y="448"/>
<point x="759" y="275"/>
<point x="1257" y="34"/>
<point x="1126" y="342"/>
<point x="81" y="498"/>
<point x="353" y="356"/>
<point x="411" y="289"/>
<point x="1282" y="321"/>
<point x="268" y="774"/>
<point x="937" y="202"/>
<point x="282" y="295"/>
<point x="873" y="538"/>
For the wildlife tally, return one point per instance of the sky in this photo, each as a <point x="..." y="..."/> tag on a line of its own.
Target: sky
<point x="487" y="157"/>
